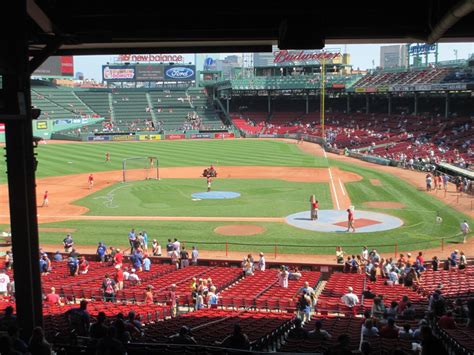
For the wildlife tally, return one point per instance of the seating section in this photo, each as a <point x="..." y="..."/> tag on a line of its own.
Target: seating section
<point x="393" y="293"/>
<point x="336" y="287"/>
<point x="335" y="326"/>
<point x="397" y="137"/>
<point x="208" y="325"/>
<point x="128" y="110"/>
<point x="456" y="284"/>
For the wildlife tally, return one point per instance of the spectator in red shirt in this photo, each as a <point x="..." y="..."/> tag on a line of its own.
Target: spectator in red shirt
<point x="118" y="258"/>
<point x="420" y="259"/>
<point x="447" y="321"/>
<point x="403" y="304"/>
<point x="119" y="277"/>
<point x="390" y="330"/>
<point x="53" y="297"/>
<point x="83" y="266"/>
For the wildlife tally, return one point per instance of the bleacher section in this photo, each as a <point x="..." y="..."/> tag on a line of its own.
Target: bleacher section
<point x="250" y="301"/>
<point x="128" y="110"/>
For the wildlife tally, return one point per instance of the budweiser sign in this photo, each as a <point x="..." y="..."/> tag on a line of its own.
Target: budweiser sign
<point x="175" y="58"/>
<point x="301" y="56"/>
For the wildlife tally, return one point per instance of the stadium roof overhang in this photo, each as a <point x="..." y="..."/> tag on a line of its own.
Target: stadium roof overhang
<point x="111" y="27"/>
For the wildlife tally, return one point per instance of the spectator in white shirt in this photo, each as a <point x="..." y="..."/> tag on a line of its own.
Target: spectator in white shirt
<point x="4" y="282"/>
<point x="350" y="299"/>
<point x="177" y="245"/>
<point x="261" y="262"/>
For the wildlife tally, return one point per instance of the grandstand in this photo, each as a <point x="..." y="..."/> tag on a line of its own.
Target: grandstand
<point x="129" y="110"/>
<point x="252" y="301"/>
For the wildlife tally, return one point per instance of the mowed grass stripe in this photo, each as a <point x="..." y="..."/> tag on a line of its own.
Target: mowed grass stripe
<point x="85" y="158"/>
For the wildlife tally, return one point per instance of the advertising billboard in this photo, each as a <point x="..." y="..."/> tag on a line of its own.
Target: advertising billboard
<point x="180" y="72"/>
<point x="149" y="72"/>
<point x="118" y="73"/>
<point x="175" y="136"/>
<point x="149" y="137"/>
<point x="56" y="66"/>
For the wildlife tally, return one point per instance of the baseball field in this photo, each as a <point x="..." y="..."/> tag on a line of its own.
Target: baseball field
<point x="274" y="178"/>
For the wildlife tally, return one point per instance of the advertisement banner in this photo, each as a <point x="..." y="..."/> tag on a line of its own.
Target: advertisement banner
<point x="224" y="135"/>
<point x="123" y="138"/>
<point x="118" y="73"/>
<point x="267" y="135"/>
<point x="200" y="135"/>
<point x="149" y="137"/>
<point x="175" y="136"/>
<point x="359" y="89"/>
<point x="41" y="125"/>
<point x="56" y="66"/>
<point x="180" y="72"/>
<point x="67" y="65"/>
<point x="174" y="58"/>
<point x="2" y="127"/>
<point x="149" y="72"/>
<point x="98" y="138"/>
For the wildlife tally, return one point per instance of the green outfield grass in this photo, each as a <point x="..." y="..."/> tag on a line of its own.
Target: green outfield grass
<point x="172" y="197"/>
<point x="260" y="198"/>
<point x="65" y="159"/>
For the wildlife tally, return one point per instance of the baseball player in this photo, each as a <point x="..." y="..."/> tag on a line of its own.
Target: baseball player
<point x="45" y="199"/>
<point x="209" y="181"/>
<point x="107" y="157"/>
<point x="350" y="220"/>
<point x="91" y="181"/>
<point x="465" y="229"/>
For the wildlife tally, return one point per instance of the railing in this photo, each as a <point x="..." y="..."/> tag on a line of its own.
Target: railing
<point x="279" y="250"/>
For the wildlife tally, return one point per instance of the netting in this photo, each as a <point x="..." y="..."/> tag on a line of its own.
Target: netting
<point x="140" y="168"/>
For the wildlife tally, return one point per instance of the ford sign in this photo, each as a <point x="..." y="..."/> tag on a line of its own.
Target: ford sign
<point x="179" y="73"/>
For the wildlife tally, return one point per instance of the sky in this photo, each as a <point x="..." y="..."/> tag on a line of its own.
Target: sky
<point x="363" y="56"/>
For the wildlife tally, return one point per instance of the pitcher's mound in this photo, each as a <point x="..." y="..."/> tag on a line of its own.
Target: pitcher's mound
<point x="240" y="229"/>
<point x="384" y="204"/>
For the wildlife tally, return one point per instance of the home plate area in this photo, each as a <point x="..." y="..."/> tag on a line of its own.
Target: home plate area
<point x="336" y="221"/>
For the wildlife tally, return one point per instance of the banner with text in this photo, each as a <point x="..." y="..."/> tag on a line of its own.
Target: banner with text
<point x="175" y="136"/>
<point x="149" y="137"/>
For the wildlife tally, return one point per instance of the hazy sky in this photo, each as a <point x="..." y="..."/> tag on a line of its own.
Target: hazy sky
<point x="362" y="56"/>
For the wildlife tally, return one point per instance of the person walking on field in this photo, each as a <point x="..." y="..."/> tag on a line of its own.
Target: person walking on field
<point x="350" y="220"/>
<point x="314" y="207"/>
<point x="91" y="181"/>
<point x="45" y="199"/>
<point x="209" y="181"/>
<point x="465" y="230"/>
<point x="107" y="157"/>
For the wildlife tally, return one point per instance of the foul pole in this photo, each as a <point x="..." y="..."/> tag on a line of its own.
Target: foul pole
<point x="323" y="92"/>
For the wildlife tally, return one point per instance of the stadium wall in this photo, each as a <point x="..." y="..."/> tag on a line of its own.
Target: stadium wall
<point x="157" y="136"/>
<point x="46" y="128"/>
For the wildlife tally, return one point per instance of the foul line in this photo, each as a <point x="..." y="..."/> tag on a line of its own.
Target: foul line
<point x="334" y="189"/>
<point x="342" y="187"/>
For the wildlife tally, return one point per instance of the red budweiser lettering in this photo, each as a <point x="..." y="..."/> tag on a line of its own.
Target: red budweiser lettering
<point x="285" y="56"/>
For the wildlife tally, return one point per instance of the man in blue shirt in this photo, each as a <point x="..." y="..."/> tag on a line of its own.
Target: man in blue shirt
<point x="101" y="249"/>
<point x="131" y="238"/>
<point x="58" y="256"/>
<point x="146" y="263"/>
<point x="454" y="258"/>
<point x="145" y="240"/>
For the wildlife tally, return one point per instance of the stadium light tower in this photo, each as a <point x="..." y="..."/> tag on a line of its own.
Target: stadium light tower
<point x="322" y="96"/>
